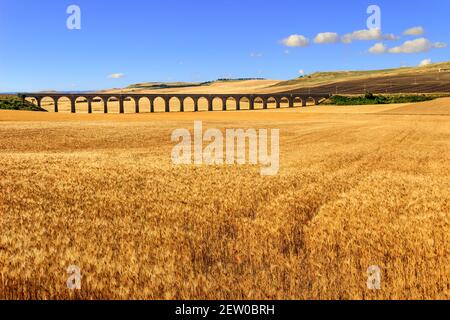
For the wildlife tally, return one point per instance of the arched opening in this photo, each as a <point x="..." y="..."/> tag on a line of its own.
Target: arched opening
<point x="64" y="104"/>
<point x="97" y="105"/>
<point x="297" y="102"/>
<point x="32" y="100"/>
<point x="129" y="105"/>
<point x="271" y="103"/>
<point x="144" y="105"/>
<point x="81" y="105"/>
<point x="217" y="104"/>
<point x="244" y="103"/>
<point x="159" y="104"/>
<point x="202" y="104"/>
<point x="310" y="101"/>
<point x="48" y="104"/>
<point x="174" y="104"/>
<point x="320" y="100"/>
<point x="231" y="103"/>
<point x="258" y="103"/>
<point x="189" y="104"/>
<point x="113" y="105"/>
<point x="284" y="102"/>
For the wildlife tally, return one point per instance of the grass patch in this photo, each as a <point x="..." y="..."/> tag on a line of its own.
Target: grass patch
<point x="16" y="103"/>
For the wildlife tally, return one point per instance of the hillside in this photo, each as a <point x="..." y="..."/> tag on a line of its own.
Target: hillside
<point x="213" y="87"/>
<point x="412" y="80"/>
<point x="162" y="85"/>
<point x="11" y="102"/>
<point x="178" y="85"/>
<point x="427" y="79"/>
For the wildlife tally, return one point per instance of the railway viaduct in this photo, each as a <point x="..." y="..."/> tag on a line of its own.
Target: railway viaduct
<point x="278" y="98"/>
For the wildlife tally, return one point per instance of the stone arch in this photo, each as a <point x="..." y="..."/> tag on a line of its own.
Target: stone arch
<point x="81" y="104"/>
<point x="231" y="103"/>
<point x="144" y="104"/>
<point x="159" y="104"/>
<point x="130" y="104"/>
<point x="284" y="102"/>
<point x="298" y="102"/>
<point x="258" y="103"/>
<point x="202" y="103"/>
<point x="272" y="103"/>
<point x="64" y="103"/>
<point x="310" y="101"/>
<point x="189" y="103"/>
<point x="319" y="100"/>
<point x="217" y="103"/>
<point x="33" y="100"/>
<point x="97" y="104"/>
<point x="175" y="103"/>
<point x="244" y="102"/>
<point x="113" y="104"/>
<point x="47" y="102"/>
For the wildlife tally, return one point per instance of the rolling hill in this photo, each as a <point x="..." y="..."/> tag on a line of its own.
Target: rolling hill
<point x="434" y="78"/>
<point x="427" y="79"/>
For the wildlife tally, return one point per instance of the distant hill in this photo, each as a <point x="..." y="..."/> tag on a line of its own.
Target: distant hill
<point x="162" y="85"/>
<point x="434" y="78"/>
<point x="410" y="80"/>
<point x="177" y="85"/>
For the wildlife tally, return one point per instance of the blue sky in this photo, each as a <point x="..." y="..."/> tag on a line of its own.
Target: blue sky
<point x="199" y="40"/>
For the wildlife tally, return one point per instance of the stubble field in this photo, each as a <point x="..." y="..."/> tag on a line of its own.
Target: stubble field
<point x="358" y="186"/>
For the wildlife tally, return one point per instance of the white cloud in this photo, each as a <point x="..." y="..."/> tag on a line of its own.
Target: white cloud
<point x="440" y="45"/>
<point x="116" y="76"/>
<point x="378" y="48"/>
<point x="363" y="35"/>
<point x="391" y="37"/>
<point x="368" y="35"/>
<point x="296" y="40"/>
<point x="415" y="31"/>
<point x="301" y="72"/>
<point x="326" y="37"/>
<point x="425" y="62"/>
<point x="417" y="46"/>
<point x="256" y="55"/>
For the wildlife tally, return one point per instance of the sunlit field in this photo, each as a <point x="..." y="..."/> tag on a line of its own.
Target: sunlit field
<point x="358" y="186"/>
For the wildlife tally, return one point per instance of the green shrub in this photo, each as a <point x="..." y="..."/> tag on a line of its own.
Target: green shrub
<point x="17" y="103"/>
<point x="370" y="98"/>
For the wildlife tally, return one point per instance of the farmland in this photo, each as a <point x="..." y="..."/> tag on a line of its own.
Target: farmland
<point x="358" y="186"/>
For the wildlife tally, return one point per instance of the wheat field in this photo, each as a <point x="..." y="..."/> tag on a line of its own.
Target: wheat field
<point x="358" y="186"/>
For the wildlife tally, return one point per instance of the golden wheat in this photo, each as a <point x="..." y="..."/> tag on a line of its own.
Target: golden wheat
<point x="356" y="188"/>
